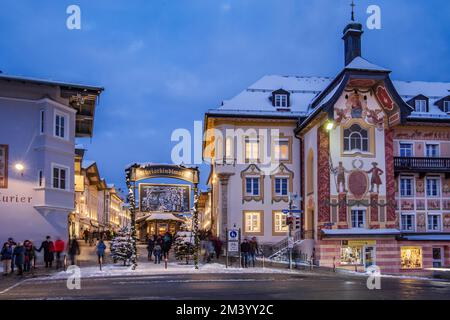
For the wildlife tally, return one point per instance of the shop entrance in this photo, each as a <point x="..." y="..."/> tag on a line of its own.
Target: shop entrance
<point x="369" y="256"/>
<point x="437" y="257"/>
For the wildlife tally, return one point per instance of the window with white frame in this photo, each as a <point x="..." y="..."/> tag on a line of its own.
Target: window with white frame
<point x="434" y="222"/>
<point x="407" y="222"/>
<point x="406" y="186"/>
<point x="279" y="222"/>
<point x="229" y="154"/>
<point x="40" y="178"/>
<point x="60" y="129"/>
<point x="281" y="186"/>
<point x="251" y="149"/>
<point x="252" y="222"/>
<point x="41" y="121"/>
<point x="433" y="186"/>
<point x="432" y="150"/>
<point x="60" y="177"/>
<point x="406" y="149"/>
<point x="281" y="100"/>
<point x="446" y="106"/>
<point x="281" y="149"/>
<point x="356" y="138"/>
<point x="252" y="186"/>
<point x="421" y="105"/>
<point x="358" y="218"/>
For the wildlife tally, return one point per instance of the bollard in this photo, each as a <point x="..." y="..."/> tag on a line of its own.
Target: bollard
<point x="334" y="264"/>
<point x="165" y="263"/>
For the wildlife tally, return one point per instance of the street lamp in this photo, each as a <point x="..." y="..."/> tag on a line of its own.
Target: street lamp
<point x="329" y="126"/>
<point x="19" y="167"/>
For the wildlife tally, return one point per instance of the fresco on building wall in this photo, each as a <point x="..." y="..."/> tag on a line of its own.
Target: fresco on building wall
<point x="420" y="221"/>
<point x="163" y="198"/>
<point x="420" y="187"/>
<point x="420" y="203"/>
<point x="446" y="204"/>
<point x="446" y="188"/>
<point x="407" y="205"/>
<point x="447" y="221"/>
<point x="421" y="135"/>
<point x="434" y="205"/>
<point x="3" y="166"/>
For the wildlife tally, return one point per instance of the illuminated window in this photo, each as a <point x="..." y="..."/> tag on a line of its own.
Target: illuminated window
<point x="252" y="222"/>
<point x="411" y="257"/>
<point x="229" y="148"/>
<point x="279" y="222"/>
<point x="251" y="149"/>
<point x="281" y="149"/>
<point x="351" y="255"/>
<point x="356" y="138"/>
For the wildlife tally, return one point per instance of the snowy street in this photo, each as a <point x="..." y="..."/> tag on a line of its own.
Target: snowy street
<point x="214" y="281"/>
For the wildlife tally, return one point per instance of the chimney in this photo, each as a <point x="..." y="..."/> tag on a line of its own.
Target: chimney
<point x="352" y="41"/>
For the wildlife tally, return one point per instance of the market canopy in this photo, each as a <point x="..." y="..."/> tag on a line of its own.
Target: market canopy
<point x="160" y="216"/>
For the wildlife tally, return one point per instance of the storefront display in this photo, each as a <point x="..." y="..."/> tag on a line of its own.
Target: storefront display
<point x="411" y="257"/>
<point x="351" y="255"/>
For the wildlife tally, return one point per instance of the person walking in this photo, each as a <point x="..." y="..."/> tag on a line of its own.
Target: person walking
<point x="254" y="249"/>
<point x="49" y="249"/>
<point x="6" y="257"/>
<point x="101" y="248"/>
<point x="157" y="252"/>
<point x="245" y="248"/>
<point x="86" y="236"/>
<point x="150" y="247"/>
<point x="30" y="254"/>
<point x="59" y="248"/>
<point x="217" y="247"/>
<point x="73" y="250"/>
<point x="167" y="244"/>
<point x="19" y="257"/>
<point x="12" y="245"/>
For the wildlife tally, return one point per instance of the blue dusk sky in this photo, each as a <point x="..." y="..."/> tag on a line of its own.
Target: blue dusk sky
<point x="163" y="63"/>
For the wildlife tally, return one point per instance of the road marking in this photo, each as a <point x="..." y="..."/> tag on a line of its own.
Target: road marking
<point x="13" y="286"/>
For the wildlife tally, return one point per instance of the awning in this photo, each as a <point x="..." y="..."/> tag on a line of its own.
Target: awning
<point x="427" y="237"/>
<point x="167" y="216"/>
<point x="359" y="232"/>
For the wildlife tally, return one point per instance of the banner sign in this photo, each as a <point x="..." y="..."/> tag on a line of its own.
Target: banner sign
<point x="164" y="197"/>
<point x="164" y="171"/>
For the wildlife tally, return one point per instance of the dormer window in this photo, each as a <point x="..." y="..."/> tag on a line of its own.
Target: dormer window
<point x="281" y="99"/>
<point x="447" y="106"/>
<point x="421" y="105"/>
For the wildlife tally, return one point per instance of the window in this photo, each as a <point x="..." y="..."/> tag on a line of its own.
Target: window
<point x="40" y="178"/>
<point x="351" y="255"/>
<point x="411" y="257"/>
<point x="281" y="149"/>
<point x="253" y="222"/>
<point x="407" y="221"/>
<point x="281" y="100"/>
<point x="229" y="148"/>
<point x="252" y="186"/>
<point x="356" y="138"/>
<point x="434" y="222"/>
<point x="432" y="150"/>
<point x="60" y="126"/>
<point x="41" y="121"/>
<point x="279" y="222"/>
<point x="406" y="187"/>
<point x="432" y="187"/>
<point x="60" y="177"/>
<point x="251" y="149"/>
<point x="421" y="105"/>
<point x="406" y="150"/>
<point x="281" y="186"/>
<point x="446" y="106"/>
<point x="358" y="218"/>
<point x="437" y="257"/>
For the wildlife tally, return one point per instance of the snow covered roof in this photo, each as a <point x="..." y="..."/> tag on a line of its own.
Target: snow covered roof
<point x="360" y="63"/>
<point x="160" y="216"/>
<point x="360" y="231"/>
<point x="435" y="237"/>
<point x="255" y="100"/>
<point x="87" y="163"/>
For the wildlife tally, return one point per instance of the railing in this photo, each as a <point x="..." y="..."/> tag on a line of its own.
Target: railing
<point x="421" y="163"/>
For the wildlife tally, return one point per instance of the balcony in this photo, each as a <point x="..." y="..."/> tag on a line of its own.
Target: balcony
<point x="422" y="164"/>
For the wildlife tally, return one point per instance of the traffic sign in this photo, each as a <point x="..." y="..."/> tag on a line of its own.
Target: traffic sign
<point x="233" y="246"/>
<point x="286" y="211"/>
<point x="233" y="234"/>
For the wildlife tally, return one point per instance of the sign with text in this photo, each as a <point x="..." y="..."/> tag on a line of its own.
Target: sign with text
<point x="233" y="239"/>
<point x="164" y="197"/>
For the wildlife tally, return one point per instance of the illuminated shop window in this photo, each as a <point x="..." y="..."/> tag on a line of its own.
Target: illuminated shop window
<point x="351" y="255"/>
<point x="280" y="225"/>
<point x="252" y="222"/>
<point x="411" y="257"/>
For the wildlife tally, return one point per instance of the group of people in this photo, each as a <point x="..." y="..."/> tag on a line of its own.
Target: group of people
<point x="22" y="255"/>
<point x="249" y="251"/>
<point x="159" y="247"/>
<point x="212" y="247"/>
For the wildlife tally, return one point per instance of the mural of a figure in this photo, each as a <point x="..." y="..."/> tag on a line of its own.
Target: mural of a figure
<point x="340" y="172"/>
<point x="356" y="105"/>
<point x="375" y="179"/>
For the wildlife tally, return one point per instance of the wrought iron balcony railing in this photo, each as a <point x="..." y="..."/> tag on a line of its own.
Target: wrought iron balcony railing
<point x="422" y="164"/>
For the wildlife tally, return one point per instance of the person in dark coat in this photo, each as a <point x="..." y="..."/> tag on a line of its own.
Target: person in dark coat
<point x="254" y="249"/>
<point x="73" y="250"/>
<point x="217" y="247"/>
<point x="49" y="250"/>
<point x="19" y="257"/>
<point x="6" y="257"/>
<point x="12" y="245"/>
<point x="101" y="248"/>
<point x="245" y="249"/>
<point x="167" y="244"/>
<point x="30" y="254"/>
<point x="150" y="246"/>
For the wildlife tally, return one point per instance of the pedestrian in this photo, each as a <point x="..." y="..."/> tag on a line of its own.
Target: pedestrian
<point x="211" y="250"/>
<point x="19" y="257"/>
<point x="49" y="250"/>
<point x="86" y="236"/>
<point x="6" y="257"/>
<point x="12" y="245"/>
<point x="245" y="248"/>
<point x="217" y="247"/>
<point x="150" y="246"/>
<point x="157" y="252"/>
<point x="254" y="249"/>
<point x="30" y="255"/>
<point x="59" y="248"/>
<point x="73" y="250"/>
<point x="101" y="247"/>
<point x="167" y="244"/>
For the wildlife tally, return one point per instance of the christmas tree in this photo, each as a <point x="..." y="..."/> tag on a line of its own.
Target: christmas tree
<point x="122" y="246"/>
<point x="183" y="246"/>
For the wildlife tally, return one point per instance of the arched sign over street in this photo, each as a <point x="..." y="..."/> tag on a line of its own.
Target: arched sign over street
<point x="146" y="171"/>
